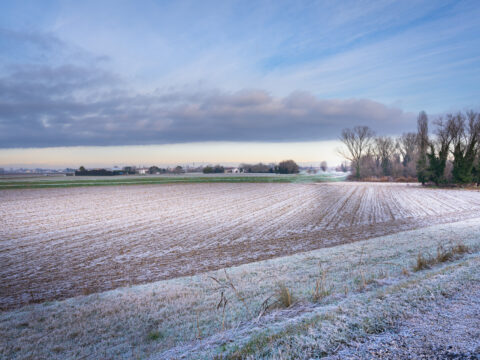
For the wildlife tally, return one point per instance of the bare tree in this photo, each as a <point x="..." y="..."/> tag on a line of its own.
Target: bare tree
<point x="408" y="151"/>
<point x="384" y="149"/>
<point x="358" y="142"/>
<point x="465" y="138"/>
<point x="407" y="145"/>
<point x="439" y="149"/>
<point x="464" y="129"/>
<point x="323" y="166"/>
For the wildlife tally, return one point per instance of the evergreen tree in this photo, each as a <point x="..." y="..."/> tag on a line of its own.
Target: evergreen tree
<point x="436" y="165"/>
<point x="476" y="171"/>
<point x="463" y="165"/>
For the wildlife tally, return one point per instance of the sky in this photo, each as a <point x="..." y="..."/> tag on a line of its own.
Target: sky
<point x="99" y="83"/>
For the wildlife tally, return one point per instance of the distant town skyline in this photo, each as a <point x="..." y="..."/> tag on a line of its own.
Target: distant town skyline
<point x="97" y="82"/>
<point x="305" y="153"/>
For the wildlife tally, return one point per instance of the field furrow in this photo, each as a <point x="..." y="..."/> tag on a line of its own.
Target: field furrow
<point x="58" y="243"/>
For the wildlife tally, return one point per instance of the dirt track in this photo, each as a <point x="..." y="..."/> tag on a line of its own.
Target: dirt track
<point x="58" y="243"/>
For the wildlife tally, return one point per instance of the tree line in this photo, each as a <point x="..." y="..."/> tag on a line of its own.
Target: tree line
<point x="449" y="155"/>
<point x="127" y="170"/>
<point x="283" y="167"/>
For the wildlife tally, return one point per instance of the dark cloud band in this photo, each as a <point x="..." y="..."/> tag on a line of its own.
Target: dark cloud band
<point x="70" y="105"/>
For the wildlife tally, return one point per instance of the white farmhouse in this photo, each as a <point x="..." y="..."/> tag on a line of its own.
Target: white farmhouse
<point x="142" y="171"/>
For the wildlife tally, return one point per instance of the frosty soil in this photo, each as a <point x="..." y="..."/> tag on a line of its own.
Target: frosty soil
<point x="58" y="243"/>
<point x="182" y="313"/>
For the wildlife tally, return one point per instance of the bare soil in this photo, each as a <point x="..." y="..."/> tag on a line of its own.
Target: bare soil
<point x="59" y="243"/>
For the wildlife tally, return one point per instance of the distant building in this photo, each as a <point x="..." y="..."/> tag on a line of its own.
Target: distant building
<point x="2" y="171"/>
<point x="143" y="171"/>
<point x="232" y="170"/>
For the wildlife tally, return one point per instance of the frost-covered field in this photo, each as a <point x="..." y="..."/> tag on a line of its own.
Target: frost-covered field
<point x="370" y="287"/>
<point x="58" y="243"/>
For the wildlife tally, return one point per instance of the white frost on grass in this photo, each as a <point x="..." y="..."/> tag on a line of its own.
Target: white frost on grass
<point x="174" y="317"/>
<point x="59" y="243"/>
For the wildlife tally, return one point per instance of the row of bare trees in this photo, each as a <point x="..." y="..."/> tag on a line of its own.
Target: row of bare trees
<point x="378" y="156"/>
<point x="450" y="155"/>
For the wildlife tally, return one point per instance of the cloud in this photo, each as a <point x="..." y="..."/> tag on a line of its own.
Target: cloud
<point x="22" y="48"/>
<point x="45" y="106"/>
<point x="43" y="41"/>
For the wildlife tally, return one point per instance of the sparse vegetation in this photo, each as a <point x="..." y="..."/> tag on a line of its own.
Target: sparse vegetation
<point x="322" y="290"/>
<point x="154" y="335"/>
<point x="217" y="169"/>
<point x="326" y="297"/>
<point x="284" y="296"/>
<point x="444" y="254"/>
<point x="423" y="262"/>
<point x="188" y="307"/>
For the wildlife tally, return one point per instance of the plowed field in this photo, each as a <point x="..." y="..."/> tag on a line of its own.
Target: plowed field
<point x="58" y="243"/>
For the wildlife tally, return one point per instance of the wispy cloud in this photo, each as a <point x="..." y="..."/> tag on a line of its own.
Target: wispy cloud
<point x="186" y="71"/>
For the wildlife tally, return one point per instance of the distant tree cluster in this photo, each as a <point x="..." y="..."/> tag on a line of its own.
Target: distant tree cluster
<point x="155" y="170"/>
<point x="129" y="170"/>
<point x="284" y="167"/>
<point x="450" y="156"/>
<point x="287" y="167"/>
<point x="96" y="172"/>
<point x="178" y="170"/>
<point x="217" y="169"/>
<point x="257" y="168"/>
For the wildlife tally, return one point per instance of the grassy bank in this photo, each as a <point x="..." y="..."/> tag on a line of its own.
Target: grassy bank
<point x="312" y="302"/>
<point x="63" y="182"/>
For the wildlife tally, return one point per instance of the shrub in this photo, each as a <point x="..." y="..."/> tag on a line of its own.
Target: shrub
<point x="284" y="296"/>
<point x="321" y="290"/>
<point x="443" y="255"/>
<point x="423" y="262"/>
<point x="154" y="335"/>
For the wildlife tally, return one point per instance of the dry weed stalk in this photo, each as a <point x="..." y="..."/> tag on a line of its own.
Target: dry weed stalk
<point x="237" y="294"/>
<point x="199" y="332"/>
<point x="363" y="283"/>
<point x="228" y="283"/>
<point x="264" y="307"/>
<point x="284" y="296"/>
<point x="225" y="284"/>
<point x="321" y="290"/>
<point x="222" y="304"/>
<point x="423" y="262"/>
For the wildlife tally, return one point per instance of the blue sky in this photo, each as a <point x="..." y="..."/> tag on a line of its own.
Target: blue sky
<point x="125" y="73"/>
